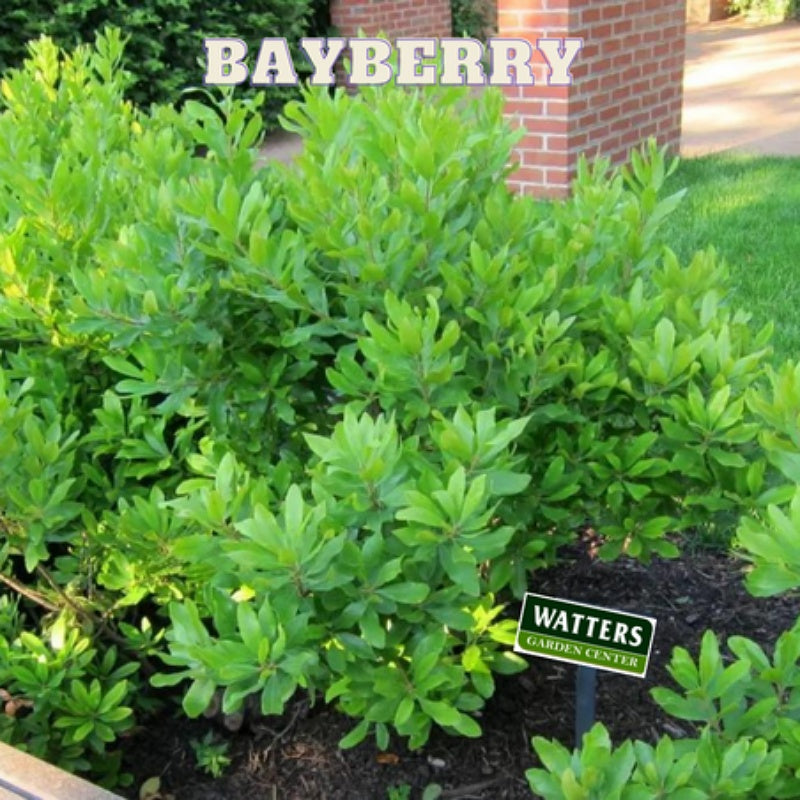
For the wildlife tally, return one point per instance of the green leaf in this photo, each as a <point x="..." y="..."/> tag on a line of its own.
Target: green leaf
<point x="381" y="736"/>
<point x="409" y="592"/>
<point x="461" y="568"/>
<point x="117" y="715"/>
<point x="441" y="713"/>
<point x="83" y="731"/>
<point x="113" y="697"/>
<point x="467" y="726"/>
<point x="249" y="627"/>
<point x="277" y="691"/>
<point x="432" y="792"/>
<point x="472" y="659"/>
<point x="404" y="711"/>
<point x="124" y="367"/>
<point x="735" y="673"/>
<point x="374" y="633"/>
<point x="747" y="649"/>
<point x="504" y="482"/>
<point x="198" y="697"/>
<point x="554" y="756"/>
<point x="356" y="736"/>
<point x="727" y="459"/>
<point x="543" y="783"/>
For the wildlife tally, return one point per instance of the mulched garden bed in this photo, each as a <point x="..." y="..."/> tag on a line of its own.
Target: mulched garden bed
<point x="296" y="757"/>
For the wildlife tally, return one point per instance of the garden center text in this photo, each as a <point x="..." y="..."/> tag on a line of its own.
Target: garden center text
<point x="372" y="61"/>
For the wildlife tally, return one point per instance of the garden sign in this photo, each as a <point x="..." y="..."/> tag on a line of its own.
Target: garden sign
<point x="589" y="636"/>
<point x="582" y="634"/>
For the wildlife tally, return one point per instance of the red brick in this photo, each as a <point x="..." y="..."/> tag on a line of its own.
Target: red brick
<point x="532" y="143"/>
<point x="620" y="94"/>
<point x="540" y="20"/>
<point x="556" y="108"/>
<point x="528" y="175"/>
<point x="545" y="125"/>
<point x="622" y="60"/>
<point x="556" y="142"/>
<point x="586" y="121"/>
<point x="561" y="160"/>
<point x="601" y="65"/>
<point x="528" y="108"/>
<point x="556" y="177"/>
<point x="632" y="73"/>
<point x="610" y="81"/>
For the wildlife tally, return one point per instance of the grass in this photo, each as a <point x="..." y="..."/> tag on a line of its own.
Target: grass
<point x="748" y="208"/>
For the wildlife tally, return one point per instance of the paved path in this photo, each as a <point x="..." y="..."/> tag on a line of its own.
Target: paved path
<point x="281" y="146"/>
<point x="741" y="92"/>
<point x="742" y="89"/>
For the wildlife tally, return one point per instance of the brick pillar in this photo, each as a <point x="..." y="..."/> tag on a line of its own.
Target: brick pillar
<point x="395" y="18"/>
<point x="627" y="84"/>
<point x="699" y="12"/>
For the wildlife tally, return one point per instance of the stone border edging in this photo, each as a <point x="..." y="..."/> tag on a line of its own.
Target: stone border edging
<point x="24" y="777"/>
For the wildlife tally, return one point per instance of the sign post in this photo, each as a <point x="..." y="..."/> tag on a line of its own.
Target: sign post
<point x="592" y="637"/>
<point x="585" y="693"/>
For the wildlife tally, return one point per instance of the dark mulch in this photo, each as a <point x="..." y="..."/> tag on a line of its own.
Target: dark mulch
<point x="297" y="758"/>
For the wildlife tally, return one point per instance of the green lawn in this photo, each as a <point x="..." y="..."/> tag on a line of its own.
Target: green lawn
<point x="748" y="208"/>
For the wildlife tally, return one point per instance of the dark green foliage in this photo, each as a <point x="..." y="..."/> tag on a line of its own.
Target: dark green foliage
<point x="770" y="10"/>
<point x="164" y="50"/>
<point x="474" y="18"/>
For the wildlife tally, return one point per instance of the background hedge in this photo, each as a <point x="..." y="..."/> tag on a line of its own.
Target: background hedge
<point x="165" y="37"/>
